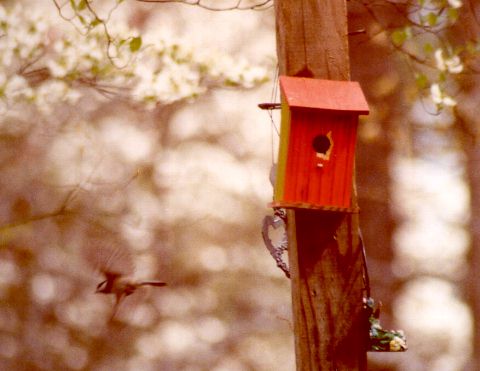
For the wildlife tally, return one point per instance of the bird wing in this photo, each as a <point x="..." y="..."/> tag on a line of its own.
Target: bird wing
<point x="111" y="276"/>
<point x="108" y="254"/>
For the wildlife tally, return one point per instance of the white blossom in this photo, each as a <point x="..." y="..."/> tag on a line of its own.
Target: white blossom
<point x="452" y="65"/>
<point x="56" y="68"/>
<point x="440" y="98"/>
<point x="455" y="3"/>
<point x="160" y="72"/>
<point x="440" y="62"/>
<point x="49" y="93"/>
<point x="449" y="101"/>
<point x="15" y="86"/>
<point x="436" y="93"/>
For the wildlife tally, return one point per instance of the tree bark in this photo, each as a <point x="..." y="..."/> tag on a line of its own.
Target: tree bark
<point x="472" y="287"/>
<point x="325" y="257"/>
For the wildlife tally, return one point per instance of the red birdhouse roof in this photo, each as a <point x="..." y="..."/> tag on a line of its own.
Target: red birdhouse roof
<point x="324" y="94"/>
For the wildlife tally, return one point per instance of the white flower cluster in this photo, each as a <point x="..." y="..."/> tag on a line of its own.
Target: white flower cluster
<point x="440" y="98"/>
<point x="450" y="65"/>
<point x="46" y="66"/>
<point x="169" y="71"/>
<point x="19" y="40"/>
<point x="455" y="4"/>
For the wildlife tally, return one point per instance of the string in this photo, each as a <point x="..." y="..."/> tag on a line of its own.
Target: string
<point x="366" y="278"/>
<point x="273" y="96"/>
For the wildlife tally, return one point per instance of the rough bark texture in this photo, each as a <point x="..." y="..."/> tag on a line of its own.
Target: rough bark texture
<point x="324" y="253"/>
<point x="312" y="38"/>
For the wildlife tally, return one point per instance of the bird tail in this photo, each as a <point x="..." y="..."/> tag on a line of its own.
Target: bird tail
<point x="153" y="283"/>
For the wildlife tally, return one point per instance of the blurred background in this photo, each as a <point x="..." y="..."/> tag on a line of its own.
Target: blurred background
<point x="172" y="159"/>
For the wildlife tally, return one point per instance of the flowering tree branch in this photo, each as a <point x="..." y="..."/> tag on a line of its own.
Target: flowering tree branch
<point x="260" y="5"/>
<point x="60" y="210"/>
<point x="46" y="68"/>
<point x="422" y="39"/>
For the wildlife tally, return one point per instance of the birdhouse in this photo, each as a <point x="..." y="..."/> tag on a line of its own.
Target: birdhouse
<point x="317" y="143"/>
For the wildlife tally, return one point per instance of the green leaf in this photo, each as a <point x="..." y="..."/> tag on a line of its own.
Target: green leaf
<point x="432" y="19"/>
<point x="73" y="5"/>
<point x="398" y="37"/>
<point x="135" y="44"/>
<point x="82" y="4"/>
<point x="452" y="14"/>
<point x="421" y="80"/>
<point x="428" y="48"/>
<point x="442" y="76"/>
<point x="95" y="22"/>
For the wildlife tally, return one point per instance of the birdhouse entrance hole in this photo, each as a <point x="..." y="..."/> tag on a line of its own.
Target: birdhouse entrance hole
<point x="323" y="144"/>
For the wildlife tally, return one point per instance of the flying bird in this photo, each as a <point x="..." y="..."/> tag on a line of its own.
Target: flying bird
<point x="115" y="262"/>
<point x="122" y="287"/>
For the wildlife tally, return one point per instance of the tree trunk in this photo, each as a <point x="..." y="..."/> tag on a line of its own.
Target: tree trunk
<point x="472" y="286"/>
<point x="324" y="251"/>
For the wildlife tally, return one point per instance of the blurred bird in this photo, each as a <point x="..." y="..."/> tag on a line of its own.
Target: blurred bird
<point x="121" y="287"/>
<point x="116" y="264"/>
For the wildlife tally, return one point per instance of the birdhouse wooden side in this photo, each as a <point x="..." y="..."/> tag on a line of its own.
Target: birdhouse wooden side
<point x="320" y="159"/>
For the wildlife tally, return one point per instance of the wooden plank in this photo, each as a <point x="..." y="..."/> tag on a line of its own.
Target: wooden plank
<point x="306" y="205"/>
<point x="282" y="157"/>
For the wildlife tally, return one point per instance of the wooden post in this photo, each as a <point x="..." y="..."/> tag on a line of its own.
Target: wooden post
<point x="324" y="251"/>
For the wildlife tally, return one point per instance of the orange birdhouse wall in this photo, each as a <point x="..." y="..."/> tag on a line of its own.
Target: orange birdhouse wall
<point x="317" y="143"/>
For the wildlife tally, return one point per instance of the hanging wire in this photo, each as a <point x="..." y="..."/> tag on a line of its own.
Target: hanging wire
<point x="273" y="97"/>
<point x="279" y="219"/>
<point x="366" y="278"/>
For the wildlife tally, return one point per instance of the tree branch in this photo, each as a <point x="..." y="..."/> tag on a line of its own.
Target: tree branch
<point x="61" y="210"/>
<point x="262" y="5"/>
